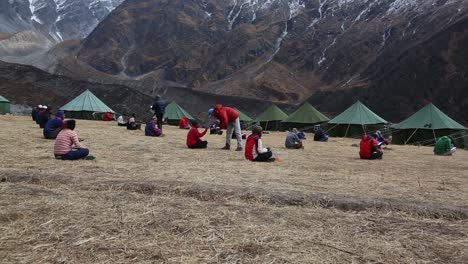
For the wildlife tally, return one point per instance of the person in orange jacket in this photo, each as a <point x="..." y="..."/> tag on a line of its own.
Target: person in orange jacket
<point x="229" y="120"/>
<point x="194" y="137"/>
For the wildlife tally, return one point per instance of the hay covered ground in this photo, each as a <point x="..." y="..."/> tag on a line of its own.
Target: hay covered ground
<point x="152" y="200"/>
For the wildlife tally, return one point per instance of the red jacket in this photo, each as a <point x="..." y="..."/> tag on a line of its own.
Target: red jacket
<point x="194" y="136"/>
<point x="183" y="122"/>
<point x="251" y="147"/>
<point x="225" y="115"/>
<point x="107" y="116"/>
<point x="367" y="146"/>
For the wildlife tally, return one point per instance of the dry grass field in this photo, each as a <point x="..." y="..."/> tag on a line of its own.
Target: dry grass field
<point x="152" y="200"/>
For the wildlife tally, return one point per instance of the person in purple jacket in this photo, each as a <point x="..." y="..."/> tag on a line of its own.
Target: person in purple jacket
<point x="54" y="125"/>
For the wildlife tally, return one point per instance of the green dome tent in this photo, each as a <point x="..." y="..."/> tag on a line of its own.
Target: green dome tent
<point x="174" y="113"/>
<point x="86" y="106"/>
<point x="305" y="117"/>
<point x="245" y="120"/>
<point x="271" y="118"/>
<point x="354" y="121"/>
<point x="425" y="126"/>
<point x="4" y="106"/>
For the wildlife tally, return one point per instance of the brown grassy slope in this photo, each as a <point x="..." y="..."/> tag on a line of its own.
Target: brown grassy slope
<point x="106" y="211"/>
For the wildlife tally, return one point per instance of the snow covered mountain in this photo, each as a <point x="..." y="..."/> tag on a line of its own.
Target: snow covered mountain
<point x="61" y="19"/>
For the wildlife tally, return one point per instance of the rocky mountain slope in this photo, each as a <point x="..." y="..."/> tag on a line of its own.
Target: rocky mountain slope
<point x="58" y="19"/>
<point x="26" y="85"/>
<point x="280" y="50"/>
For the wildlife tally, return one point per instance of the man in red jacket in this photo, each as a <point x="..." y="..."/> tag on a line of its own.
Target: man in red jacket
<point x="194" y="137"/>
<point x="369" y="148"/>
<point x="229" y="120"/>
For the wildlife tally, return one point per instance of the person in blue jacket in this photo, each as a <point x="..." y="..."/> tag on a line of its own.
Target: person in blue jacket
<point x="54" y="125"/>
<point x="151" y="130"/>
<point x="159" y="108"/>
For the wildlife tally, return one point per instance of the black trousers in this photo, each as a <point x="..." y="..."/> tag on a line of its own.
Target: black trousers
<point x="199" y="145"/>
<point x="376" y="155"/>
<point x="160" y="116"/>
<point x="264" y="157"/>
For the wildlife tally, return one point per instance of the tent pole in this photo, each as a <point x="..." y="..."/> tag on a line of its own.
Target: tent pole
<point x="433" y="132"/>
<point x="347" y="129"/>
<point x="331" y="128"/>
<point x="266" y="126"/>
<point x="411" y="135"/>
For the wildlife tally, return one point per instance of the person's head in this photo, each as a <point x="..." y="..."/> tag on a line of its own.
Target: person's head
<point x="60" y="114"/>
<point x="195" y="123"/>
<point x="157" y="97"/>
<point x="134" y="115"/>
<point x="70" y="124"/>
<point x="295" y="130"/>
<point x="210" y="112"/>
<point x="257" y="130"/>
<point x="39" y="106"/>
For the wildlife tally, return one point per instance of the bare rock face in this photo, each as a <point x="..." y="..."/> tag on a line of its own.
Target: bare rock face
<point x="58" y="19"/>
<point x="280" y="50"/>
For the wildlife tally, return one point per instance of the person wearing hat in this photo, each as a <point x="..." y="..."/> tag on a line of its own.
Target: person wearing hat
<point x="194" y="137"/>
<point x="54" y="125"/>
<point x="40" y="111"/>
<point x="229" y="120"/>
<point x="34" y="111"/>
<point x="254" y="150"/>
<point x="44" y="116"/>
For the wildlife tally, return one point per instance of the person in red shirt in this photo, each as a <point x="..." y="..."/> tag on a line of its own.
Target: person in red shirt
<point x="229" y="120"/>
<point x="254" y="150"/>
<point x="368" y="148"/>
<point x="183" y="124"/>
<point x="194" y="137"/>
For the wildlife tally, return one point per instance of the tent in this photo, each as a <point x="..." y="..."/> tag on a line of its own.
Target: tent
<point x="86" y="106"/>
<point x="425" y="126"/>
<point x="271" y="118"/>
<point x="4" y="106"/>
<point x="305" y="117"/>
<point x="355" y="121"/>
<point x="174" y="113"/>
<point x="245" y="120"/>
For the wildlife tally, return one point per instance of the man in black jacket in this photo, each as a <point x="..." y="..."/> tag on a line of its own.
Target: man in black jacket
<point x="158" y="108"/>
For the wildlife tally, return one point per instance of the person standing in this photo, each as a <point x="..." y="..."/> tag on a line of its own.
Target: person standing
<point x="229" y="120"/>
<point x="159" y="107"/>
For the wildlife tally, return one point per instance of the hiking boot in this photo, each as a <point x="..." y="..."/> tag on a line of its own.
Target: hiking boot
<point x="226" y="147"/>
<point x="272" y="160"/>
<point x="90" y="158"/>
<point x="239" y="149"/>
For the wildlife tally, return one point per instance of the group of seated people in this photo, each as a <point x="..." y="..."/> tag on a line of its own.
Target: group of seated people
<point x="130" y="124"/>
<point x="54" y="126"/>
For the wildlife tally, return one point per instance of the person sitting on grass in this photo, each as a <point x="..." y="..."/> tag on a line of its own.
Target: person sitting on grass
<point x="121" y="121"/>
<point x="183" y="124"/>
<point x="194" y="137"/>
<point x="44" y="116"/>
<point x="54" y="126"/>
<point x="369" y="148"/>
<point x="320" y="135"/>
<point x="67" y="145"/>
<point x="381" y="140"/>
<point x="132" y="124"/>
<point x="293" y="141"/>
<point x="254" y="150"/>
<point x="444" y="147"/>
<point x="214" y="129"/>
<point x="151" y="130"/>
